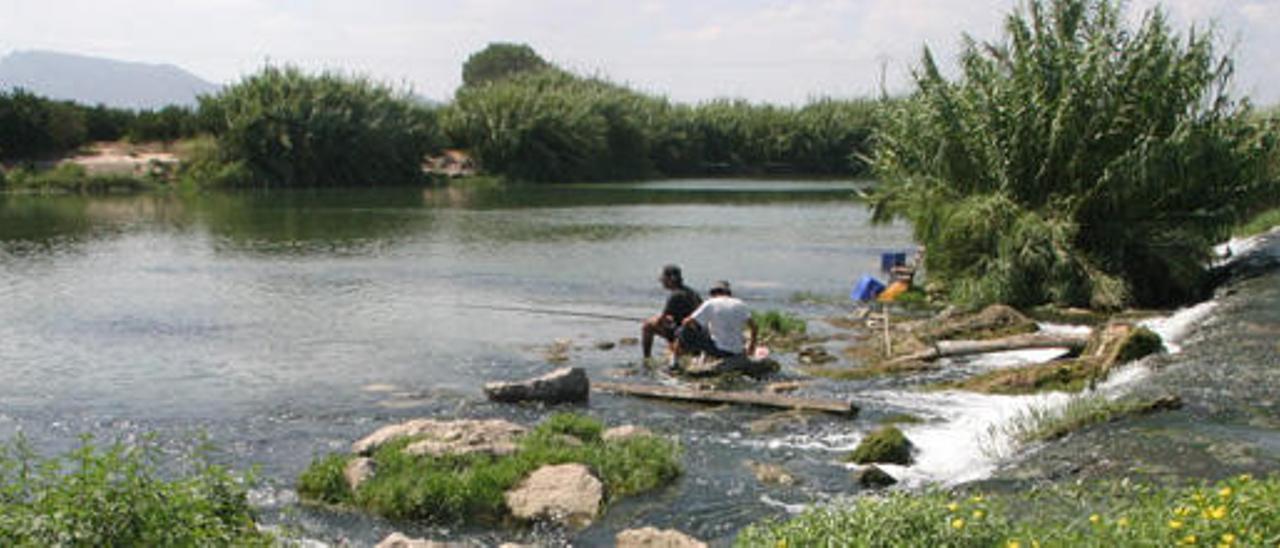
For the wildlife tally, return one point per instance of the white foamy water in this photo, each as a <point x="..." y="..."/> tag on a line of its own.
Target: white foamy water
<point x="1236" y="247"/>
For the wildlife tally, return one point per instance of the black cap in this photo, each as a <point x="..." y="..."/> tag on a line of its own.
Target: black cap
<point x="672" y="272"/>
<point x="720" y="288"/>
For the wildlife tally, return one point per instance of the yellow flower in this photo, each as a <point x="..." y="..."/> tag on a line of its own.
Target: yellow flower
<point x="977" y="514"/>
<point x="1246" y="478"/>
<point x="1182" y="511"/>
<point x="782" y="543"/>
<point x="1224" y="492"/>
<point x="1122" y="522"/>
<point x="1228" y="538"/>
<point x="957" y="523"/>
<point x="953" y="507"/>
<point x="1189" y="539"/>
<point x="1175" y="524"/>
<point x="1218" y="512"/>
<point x="975" y="498"/>
<point x="1095" y="518"/>
<point x="1013" y="543"/>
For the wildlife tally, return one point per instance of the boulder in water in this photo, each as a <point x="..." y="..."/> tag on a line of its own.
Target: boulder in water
<point x="650" y="537"/>
<point x="564" y="385"/>
<point x="768" y="473"/>
<point x="399" y="540"/>
<point x="885" y="445"/>
<point x="732" y="365"/>
<point x="625" y="432"/>
<point x="567" y="494"/>
<point x="872" y="477"/>
<point x="445" y="437"/>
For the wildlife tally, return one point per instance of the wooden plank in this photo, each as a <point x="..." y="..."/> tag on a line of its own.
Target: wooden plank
<point x="944" y="349"/>
<point x="838" y="407"/>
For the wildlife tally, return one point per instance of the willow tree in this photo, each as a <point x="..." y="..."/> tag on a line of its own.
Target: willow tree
<point x="1080" y="160"/>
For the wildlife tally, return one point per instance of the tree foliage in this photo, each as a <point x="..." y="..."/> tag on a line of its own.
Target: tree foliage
<point x="289" y="128"/>
<point x="499" y="61"/>
<point x="1079" y="161"/>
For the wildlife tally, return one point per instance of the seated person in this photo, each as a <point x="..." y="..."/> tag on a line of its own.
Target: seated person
<point x="680" y="304"/>
<point x="716" y="327"/>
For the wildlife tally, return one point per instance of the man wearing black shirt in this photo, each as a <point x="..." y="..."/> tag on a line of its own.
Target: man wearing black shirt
<point x="682" y="302"/>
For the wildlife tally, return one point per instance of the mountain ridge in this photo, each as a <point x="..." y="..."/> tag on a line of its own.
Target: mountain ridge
<point x="94" y="80"/>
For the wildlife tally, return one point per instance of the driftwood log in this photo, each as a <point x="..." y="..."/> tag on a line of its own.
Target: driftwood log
<point x="947" y="349"/>
<point x="838" y="407"/>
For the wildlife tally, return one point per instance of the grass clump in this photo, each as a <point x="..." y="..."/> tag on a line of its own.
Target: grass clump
<point x="116" y="496"/>
<point x="470" y="488"/>
<point x="1035" y="424"/>
<point x="70" y="177"/>
<point x="776" y="322"/>
<point x="1238" y="511"/>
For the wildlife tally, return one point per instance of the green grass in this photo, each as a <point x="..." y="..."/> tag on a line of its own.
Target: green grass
<point x="1261" y="223"/>
<point x="116" y="496"/>
<point x="74" y="178"/>
<point x="470" y="488"/>
<point x="1238" y="511"/>
<point x="775" y="322"/>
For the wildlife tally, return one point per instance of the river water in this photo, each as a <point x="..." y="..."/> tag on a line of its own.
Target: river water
<point x="283" y="325"/>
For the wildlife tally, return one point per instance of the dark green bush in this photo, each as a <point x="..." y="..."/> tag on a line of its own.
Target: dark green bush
<point x="115" y="496"/>
<point x="1079" y="161"/>
<point x="499" y="61"/>
<point x="288" y="128"/>
<point x="886" y="444"/>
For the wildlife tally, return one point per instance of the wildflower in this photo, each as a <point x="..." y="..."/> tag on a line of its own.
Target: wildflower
<point x="1182" y="511"/>
<point x="957" y="524"/>
<point x="782" y="543"/>
<point x="1094" y="519"/>
<point x="1245" y="478"/>
<point x="1175" y="524"/>
<point x="1189" y="539"/>
<point x="1218" y="512"/>
<point x="1013" y="543"/>
<point x="953" y="507"/>
<point x="1224" y="492"/>
<point x="977" y="514"/>
<point x="1122" y="522"/>
<point x="1228" y="538"/>
<point x="975" y="498"/>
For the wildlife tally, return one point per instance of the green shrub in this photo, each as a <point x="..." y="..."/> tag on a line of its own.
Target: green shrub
<point x="1260" y="223"/>
<point x="499" y="61"/>
<point x="288" y="128"/>
<point x="1078" y="162"/>
<point x="115" y="496"/>
<point x="470" y="488"/>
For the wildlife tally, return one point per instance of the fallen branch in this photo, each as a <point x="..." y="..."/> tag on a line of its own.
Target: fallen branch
<point x="947" y="349"/>
<point x="838" y="407"/>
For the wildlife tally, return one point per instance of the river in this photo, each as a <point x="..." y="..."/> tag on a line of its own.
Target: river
<point x="281" y="325"/>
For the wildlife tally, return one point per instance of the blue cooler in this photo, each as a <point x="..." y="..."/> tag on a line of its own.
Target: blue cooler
<point x="867" y="289"/>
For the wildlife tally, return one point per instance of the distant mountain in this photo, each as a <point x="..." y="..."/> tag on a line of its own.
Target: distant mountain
<point x="93" y="80"/>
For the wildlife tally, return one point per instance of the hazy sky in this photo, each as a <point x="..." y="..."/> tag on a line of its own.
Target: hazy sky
<point x="689" y="50"/>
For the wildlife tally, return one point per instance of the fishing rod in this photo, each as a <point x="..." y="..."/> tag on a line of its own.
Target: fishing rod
<point x="551" y="312"/>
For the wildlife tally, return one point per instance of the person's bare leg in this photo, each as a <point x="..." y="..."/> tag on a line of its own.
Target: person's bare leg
<point x="647" y="331"/>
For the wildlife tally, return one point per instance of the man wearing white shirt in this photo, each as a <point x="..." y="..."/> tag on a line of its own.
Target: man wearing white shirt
<point x="716" y="326"/>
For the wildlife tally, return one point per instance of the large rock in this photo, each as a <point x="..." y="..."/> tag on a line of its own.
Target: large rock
<point x="885" y="445"/>
<point x="565" y="493"/>
<point x="768" y="473"/>
<point x="992" y="322"/>
<point x="358" y="471"/>
<point x="564" y="385"/>
<point x="1119" y="342"/>
<point x="733" y="365"/>
<point x="436" y="437"/>
<point x="399" y="540"/>
<point x="650" y="537"/>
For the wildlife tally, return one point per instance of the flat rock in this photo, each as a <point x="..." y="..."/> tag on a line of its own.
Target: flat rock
<point x="399" y="540"/>
<point x="358" y="471"/>
<point x="626" y="431"/>
<point x="567" y="494"/>
<point x="710" y="367"/>
<point x="564" y="385"/>
<point x="650" y="537"/>
<point x="605" y="345"/>
<point x="446" y="437"/>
